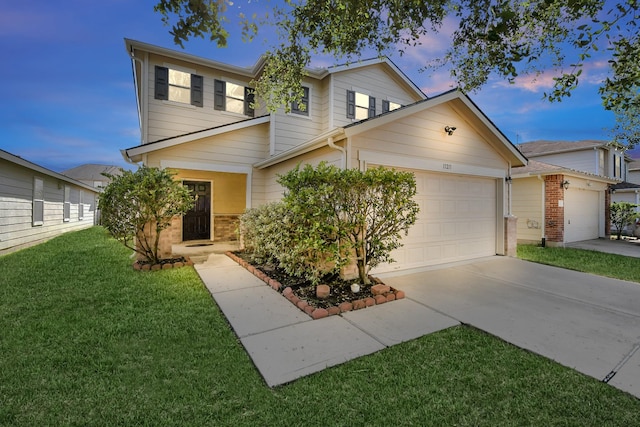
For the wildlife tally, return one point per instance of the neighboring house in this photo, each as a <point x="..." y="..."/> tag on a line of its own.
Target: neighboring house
<point x="196" y="117"/>
<point x="629" y="190"/>
<point x="92" y="174"/>
<point x="557" y="205"/>
<point x="37" y="204"/>
<point x="600" y="158"/>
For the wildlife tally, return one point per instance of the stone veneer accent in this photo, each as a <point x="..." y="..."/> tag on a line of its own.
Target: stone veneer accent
<point x="225" y="227"/>
<point x="382" y="294"/>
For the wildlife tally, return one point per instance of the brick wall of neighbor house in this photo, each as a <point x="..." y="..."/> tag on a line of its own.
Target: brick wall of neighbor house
<point x="553" y="213"/>
<point x="225" y="228"/>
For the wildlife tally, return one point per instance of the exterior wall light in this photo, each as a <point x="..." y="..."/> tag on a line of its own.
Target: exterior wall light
<point x="565" y="184"/>
<point x="449" y="130"/>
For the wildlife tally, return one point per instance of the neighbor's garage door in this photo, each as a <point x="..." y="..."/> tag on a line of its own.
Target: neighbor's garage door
<point x="581" y="215"/>
<point x="457" y="221"/>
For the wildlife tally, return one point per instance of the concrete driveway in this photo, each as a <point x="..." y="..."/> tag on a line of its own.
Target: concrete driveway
<point x="583" y="321"/>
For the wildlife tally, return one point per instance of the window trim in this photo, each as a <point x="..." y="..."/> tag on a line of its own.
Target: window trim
<point x="66" y="203"/>
<point x="37" y="215"/>
<point x="81" y="205"/>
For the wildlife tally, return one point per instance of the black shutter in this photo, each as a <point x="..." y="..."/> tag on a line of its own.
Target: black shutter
<point x="248" y="101"/>
<point x="385" y="106"/>
<point x="372" y="106"/>
<point x="219" y="97"/>
<point x="162" y="83"/>
<point x="351" y="104"/>
<point x="196" y="90"/>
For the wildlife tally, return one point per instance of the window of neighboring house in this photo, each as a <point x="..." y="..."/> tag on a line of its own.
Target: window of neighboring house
<point x="233" y="98"/>
<point x="302" y="107"/>
<point x="66" y="204"/>
<point x="617" y="172"/>
<point x="389" y="106"/>
<point x="602" y="170"/>
<point x="178" y="86"/>
<point x="38" y="202"/>
<point x="360" y="106"/>
<point x="81" y="206"/>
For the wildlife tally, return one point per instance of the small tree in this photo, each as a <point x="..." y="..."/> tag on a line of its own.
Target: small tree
<point x="137" y="206"/>
<point x="350" y="210"/>
<point x="621" y="215"/>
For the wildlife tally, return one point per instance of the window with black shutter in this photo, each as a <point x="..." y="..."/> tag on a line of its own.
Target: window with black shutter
<point x="234" y="98"/>
<point x="360" y="106"/>
<point x="178" y="86"/>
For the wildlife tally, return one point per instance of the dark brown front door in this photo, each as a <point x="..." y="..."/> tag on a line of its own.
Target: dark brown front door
<point x="196" y="224"/>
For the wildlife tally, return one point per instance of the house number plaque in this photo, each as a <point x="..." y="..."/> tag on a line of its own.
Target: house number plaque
<point x="447" y="166"/>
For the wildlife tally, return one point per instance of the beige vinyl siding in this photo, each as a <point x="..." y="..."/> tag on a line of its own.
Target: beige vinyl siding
<point x="374" y="81"/>
<point x="421" y="135"/>
<point x="16" y="196"/>
<point x="168" y="119"/>
<point x="273" y="191"/>
<point x="291" y="130"/>
<point x="528" y="206"/>
<point x="241" y="148"/>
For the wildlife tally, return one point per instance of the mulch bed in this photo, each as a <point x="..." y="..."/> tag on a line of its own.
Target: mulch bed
<point x="302" y="293"/>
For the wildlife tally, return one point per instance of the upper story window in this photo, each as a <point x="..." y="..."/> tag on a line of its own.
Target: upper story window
<point x="302" y="107"/>
<point x="178" y="86"/>
<point x="389" y="106"/>
<point x="233" y="97"/>
<point x="360" y="106"/>
<point x="617" y="167"/>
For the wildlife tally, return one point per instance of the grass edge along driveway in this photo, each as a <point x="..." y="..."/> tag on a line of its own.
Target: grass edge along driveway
<point x="86" y="340"/>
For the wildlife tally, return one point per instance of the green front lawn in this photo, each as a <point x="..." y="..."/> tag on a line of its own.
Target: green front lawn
<point x="602" y="264"/>
<point x="86" y="340"/>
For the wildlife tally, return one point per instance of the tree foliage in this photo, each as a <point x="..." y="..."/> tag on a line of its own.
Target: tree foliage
<point x="330" y="217"/>
<point x="506" y="38"/>
<point x="136" y="206"/>
<point x="622" y="214"/>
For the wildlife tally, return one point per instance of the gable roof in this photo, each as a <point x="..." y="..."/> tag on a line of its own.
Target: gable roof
<point x="544" y="147"/>
<point x="535" y="168"/>
<point x="41" y="169"/>
<point x="455" y="98"/>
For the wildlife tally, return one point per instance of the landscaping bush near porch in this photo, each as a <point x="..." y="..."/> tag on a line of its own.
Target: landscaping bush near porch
<point x="86" y="340"/>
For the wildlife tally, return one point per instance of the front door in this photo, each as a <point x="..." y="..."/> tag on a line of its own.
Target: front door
<point x="196" y="224"/>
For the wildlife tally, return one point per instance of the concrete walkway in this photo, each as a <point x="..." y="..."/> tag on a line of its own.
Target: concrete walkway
<point x="585" y="322"/>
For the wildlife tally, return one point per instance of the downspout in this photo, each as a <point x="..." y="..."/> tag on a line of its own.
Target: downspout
<point x="343" y="157"/>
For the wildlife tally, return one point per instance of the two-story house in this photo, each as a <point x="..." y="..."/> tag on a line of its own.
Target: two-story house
<point x="196" y="117"/>
<point x="563" y="195"/>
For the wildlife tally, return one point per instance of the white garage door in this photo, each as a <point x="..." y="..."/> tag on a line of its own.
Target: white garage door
<point x="457" y="221"/>
<point x="581" y="215"/>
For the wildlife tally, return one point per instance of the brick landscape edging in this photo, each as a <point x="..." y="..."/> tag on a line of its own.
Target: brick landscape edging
<point x="166" y="266"/>
<point x="385" y="294"/>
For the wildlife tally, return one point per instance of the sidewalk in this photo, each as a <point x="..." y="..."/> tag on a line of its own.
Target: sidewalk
<point x="285" y="343"/>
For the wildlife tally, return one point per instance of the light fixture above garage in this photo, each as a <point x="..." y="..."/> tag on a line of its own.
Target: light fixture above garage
<point x="565" y="184"/>
<point x="449" y="129"/>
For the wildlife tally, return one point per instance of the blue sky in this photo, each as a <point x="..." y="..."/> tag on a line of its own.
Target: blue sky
<point x="68" y="95"/>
